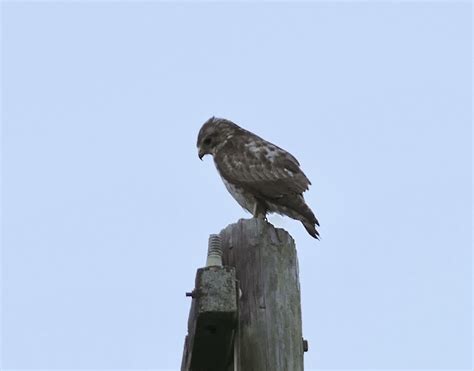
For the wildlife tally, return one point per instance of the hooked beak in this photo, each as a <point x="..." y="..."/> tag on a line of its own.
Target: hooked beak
<point x="201" y="154"/>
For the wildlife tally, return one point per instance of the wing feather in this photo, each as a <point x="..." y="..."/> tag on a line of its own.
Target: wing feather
<point x="261" y="167"/>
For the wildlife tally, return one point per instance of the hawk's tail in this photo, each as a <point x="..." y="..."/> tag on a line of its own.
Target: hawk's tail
<point x="295" y="207"/>
<point x="308" y="219"/>
<point x="311" y="227"/>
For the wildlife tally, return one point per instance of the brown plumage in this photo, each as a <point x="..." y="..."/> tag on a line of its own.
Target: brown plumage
<point x="261" y="176"/>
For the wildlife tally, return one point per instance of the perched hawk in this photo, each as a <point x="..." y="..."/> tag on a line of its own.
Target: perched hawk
<point x="262" y="177"/>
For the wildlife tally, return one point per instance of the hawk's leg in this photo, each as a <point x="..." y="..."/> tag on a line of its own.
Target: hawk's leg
<point x="260" y="211"/>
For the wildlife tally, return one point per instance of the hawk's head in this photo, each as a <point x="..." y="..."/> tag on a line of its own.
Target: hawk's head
<point x="214" y="134"/>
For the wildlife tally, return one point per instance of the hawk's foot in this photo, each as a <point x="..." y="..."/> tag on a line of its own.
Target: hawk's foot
<point x="260" y="212"/>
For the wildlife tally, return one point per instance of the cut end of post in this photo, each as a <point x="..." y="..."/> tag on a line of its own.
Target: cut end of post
<point x="214" y="251"/>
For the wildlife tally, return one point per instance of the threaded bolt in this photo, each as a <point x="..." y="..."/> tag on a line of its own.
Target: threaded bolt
<point x="214" y="251"/>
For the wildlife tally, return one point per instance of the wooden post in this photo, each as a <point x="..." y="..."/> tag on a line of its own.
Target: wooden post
<point x="269" y="334"/>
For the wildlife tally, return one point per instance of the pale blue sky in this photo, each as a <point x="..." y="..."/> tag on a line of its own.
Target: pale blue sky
<point x="106" y="209"/>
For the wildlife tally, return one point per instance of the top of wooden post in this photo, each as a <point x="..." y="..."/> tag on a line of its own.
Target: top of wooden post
<point x="256" y="231"/>
<point x="269" y="335"/>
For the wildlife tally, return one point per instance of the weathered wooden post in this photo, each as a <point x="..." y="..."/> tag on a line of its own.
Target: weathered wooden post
<point x="267" y="335"/>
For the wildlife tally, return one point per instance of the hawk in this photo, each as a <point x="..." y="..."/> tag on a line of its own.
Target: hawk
<point x="262" y="177"/>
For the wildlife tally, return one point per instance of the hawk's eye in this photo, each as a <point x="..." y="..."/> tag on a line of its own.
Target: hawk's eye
<point x="207" y="141"/>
